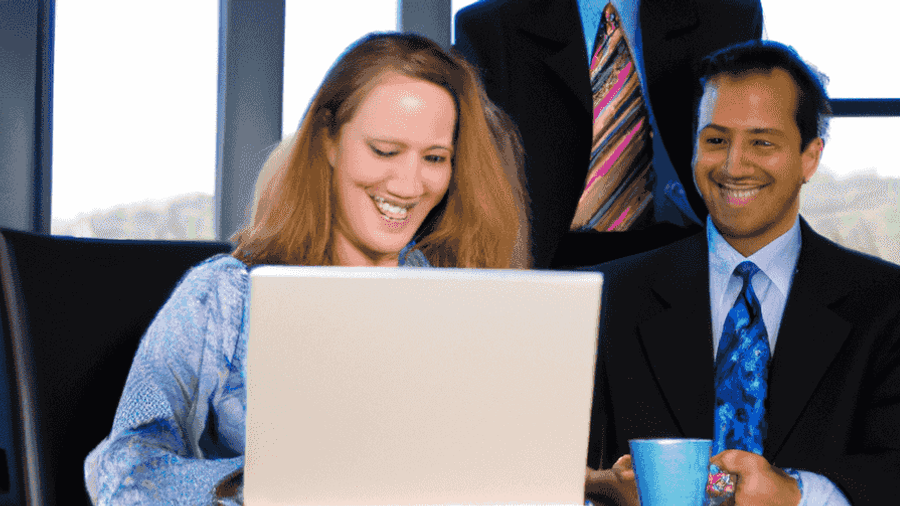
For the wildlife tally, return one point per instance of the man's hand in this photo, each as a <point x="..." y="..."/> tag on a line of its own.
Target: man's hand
<point x="614" y="486"/>
<point x="759" y="483"/>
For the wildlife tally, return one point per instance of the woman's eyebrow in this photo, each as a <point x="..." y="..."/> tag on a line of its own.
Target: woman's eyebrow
<point x="401" y="143"/>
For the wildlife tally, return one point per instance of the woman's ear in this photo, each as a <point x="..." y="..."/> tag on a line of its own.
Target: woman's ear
<point x="331" y="147"/>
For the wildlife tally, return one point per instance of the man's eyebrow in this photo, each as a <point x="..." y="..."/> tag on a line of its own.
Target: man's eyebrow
<point x="773" y="131"/>
<point x="714" y="127"/>
<point x="719" y="128"/>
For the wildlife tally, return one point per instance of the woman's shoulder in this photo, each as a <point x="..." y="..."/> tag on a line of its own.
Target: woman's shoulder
<point x="216" y="271"/>
<point x="220" y="264"/>
<point x="205" y="312"/>
<point x="218" y="286"/>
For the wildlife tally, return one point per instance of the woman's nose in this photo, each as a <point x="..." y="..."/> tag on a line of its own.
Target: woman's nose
<point x="406" y="178"/>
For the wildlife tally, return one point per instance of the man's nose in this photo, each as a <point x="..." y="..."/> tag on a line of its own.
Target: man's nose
<point x="737" y="162"/>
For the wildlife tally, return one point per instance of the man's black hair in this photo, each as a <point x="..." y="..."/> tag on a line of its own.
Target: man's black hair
<point x="762" y="56"/>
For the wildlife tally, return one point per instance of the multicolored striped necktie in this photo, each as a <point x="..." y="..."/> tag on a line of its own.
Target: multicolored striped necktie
<point x="618" y="185"/>
<point x="742" y="365"/>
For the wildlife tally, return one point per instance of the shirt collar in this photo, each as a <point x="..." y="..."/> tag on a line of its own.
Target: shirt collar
<point x="410" y="257"/>
<point x="628" y="14"/>
<point x="777" y="260"/>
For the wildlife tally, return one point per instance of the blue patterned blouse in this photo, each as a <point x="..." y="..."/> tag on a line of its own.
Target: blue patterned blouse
<point x="178" y="434"/>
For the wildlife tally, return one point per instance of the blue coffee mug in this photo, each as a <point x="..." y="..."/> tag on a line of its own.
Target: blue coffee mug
<point x="671" y="472"/>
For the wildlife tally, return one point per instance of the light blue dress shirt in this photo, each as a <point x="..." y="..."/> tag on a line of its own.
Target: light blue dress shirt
<point x="777" y="262"/>
<point x="591" y="10"/>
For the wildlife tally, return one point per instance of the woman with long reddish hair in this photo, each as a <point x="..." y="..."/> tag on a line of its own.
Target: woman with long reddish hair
<point x="401" y="160"/>
<point x="481" y="221"/>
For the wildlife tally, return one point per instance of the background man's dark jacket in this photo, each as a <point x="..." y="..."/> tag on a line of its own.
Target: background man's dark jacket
<point x="535" y="66"/>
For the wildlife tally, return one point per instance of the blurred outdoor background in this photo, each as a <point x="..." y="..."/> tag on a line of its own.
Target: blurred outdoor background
<point x="154" y="178"/>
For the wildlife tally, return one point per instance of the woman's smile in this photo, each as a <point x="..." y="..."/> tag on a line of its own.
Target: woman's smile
<point x="392" y="210"/>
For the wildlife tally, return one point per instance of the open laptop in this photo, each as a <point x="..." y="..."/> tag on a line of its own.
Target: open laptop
<point x="369" y="386"/>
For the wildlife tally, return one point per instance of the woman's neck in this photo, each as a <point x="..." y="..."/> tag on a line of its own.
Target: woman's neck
<point x="348" y="255"/>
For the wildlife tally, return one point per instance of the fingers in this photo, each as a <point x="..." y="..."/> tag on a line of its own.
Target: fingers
<point x="758" y="481"/>
<point x="740" y="462"/>
<point x="624" y="468"/>
<point x="600" y="482"/>
<point x="621" y="472"/>
<point x="613" y="486"/>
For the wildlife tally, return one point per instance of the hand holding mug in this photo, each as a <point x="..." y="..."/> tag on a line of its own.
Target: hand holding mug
<point x="758" y="481"/>
<point x="616" y="484"/>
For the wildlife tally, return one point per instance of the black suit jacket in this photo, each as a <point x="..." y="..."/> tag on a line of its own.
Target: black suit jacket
<point x="834" y="382"/>
<point x="534" y="62"/>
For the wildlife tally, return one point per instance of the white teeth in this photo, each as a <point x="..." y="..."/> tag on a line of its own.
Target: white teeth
<point x="390" y="208"/>
<point x="741" y="194"/>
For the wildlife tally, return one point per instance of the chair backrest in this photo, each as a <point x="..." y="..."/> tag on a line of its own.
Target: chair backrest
<point x="76" y="310"/>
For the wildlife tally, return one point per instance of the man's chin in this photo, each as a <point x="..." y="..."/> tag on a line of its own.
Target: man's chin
<point x="735" y="228"/>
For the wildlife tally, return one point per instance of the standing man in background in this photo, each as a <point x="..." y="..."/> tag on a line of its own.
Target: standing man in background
<point x="602" y="93"/>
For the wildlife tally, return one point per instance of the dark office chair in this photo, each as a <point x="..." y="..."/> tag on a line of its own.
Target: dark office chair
<point x="75" y="312"/>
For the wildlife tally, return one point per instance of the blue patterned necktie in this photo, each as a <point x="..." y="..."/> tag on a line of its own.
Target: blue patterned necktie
<point x="741" y="373"/>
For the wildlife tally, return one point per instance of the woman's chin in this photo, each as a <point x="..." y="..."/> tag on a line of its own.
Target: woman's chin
<point x="388" y="244"/>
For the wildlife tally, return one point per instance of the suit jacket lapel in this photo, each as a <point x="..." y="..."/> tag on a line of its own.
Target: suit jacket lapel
<point x="678" y="341"/>
<point x="551" y="30"/>
<point x="810" y="337"/>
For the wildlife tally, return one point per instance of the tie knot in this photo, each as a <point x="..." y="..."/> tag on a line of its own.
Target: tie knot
<point x="746" y="270"/>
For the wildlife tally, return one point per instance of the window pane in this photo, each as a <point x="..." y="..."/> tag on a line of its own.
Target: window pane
<point x="851" y="42"/>
<point x="135" y="119"/>
<point x="854" y="198"/>
<point x="316" y="33"/>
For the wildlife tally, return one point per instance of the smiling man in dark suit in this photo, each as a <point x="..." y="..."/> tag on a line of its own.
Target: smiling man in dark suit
<point x="759" y="333"/>
<point x="537" y="58"/>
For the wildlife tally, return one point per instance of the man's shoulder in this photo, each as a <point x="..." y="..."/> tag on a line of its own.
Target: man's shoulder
<point x="867" y="264"/>
<point x="482" y="10"/>
<point x="844" y="262"/>
<point x="499" y="11"/>
<point x="676" y="266"/>
<point x="688" y="249"/>
<point x="479" y="29"/>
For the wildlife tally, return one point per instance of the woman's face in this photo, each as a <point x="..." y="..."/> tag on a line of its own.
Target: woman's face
<point x="391" y="165"/>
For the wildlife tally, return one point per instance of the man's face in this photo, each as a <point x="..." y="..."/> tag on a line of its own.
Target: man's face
<point x="747" y="160"/>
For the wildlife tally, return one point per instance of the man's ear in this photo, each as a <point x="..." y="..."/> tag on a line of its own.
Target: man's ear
<point x="810" y="157"/>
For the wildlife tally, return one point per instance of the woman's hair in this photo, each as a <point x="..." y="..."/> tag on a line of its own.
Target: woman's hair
<point x="482" y="220"/>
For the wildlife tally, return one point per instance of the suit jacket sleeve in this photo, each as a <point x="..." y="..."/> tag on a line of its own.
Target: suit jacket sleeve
<point x="834" y="385"/>
<point x="869" y="468"/>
